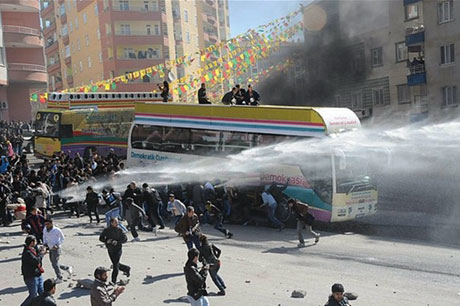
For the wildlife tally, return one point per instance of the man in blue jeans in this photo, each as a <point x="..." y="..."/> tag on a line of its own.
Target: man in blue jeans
<point x="32" y="269"/>
<point x="270" y="206"/>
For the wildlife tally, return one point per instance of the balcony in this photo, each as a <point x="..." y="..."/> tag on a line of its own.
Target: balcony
<point x="138" y="38"/>
<point x="61" y="1"/>
<point x="65" y="39"/>
<point x="20" y="6"/>
<point x="212" y="37"/>
<point x="124" y="63"/>
<point x="69" y="80"/>
<point x="51" y="47"/>
<point x="49" y="10"/>
<point x="211" y="3"/>
<point x="58" y="85"/>
<point x="415" y="35"/>
<point x="211" y="19"/>
<point x="54" y="67"/>
<point x="22" y="37"/>
<point x="407" y="2"/>
<point x="63" y="18"/>
<point x="136" y="14"/>
<point x="49" y="29"/>
<point x="417" y="75"/>
<point x="27" y="73"/>
<point x="68" y="60"/>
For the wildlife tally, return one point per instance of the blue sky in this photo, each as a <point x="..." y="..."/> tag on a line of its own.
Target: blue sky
<point x="245" y="15"/>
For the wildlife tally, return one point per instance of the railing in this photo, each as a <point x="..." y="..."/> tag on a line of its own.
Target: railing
<point x="416" y="68"/>
<point x="136" y="33"/>
<point x="415" y="29"/>
<point x="26" y="67"/>
<point x="135" y="57"/>
<point x="135" y="9"/>
<point x="21" y="30"/>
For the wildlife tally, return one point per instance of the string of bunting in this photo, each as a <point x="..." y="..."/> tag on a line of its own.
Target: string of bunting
<point x="237" y="52"/>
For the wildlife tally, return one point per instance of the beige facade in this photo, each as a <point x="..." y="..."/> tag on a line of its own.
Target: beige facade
<point x="385" y="37"/>
<point x="88" y="41"/>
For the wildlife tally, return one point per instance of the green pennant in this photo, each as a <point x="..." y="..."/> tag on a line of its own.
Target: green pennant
<point x="114" y="85"/>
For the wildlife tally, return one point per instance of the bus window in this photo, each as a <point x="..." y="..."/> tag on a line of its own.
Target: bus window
<point x="176" y="140"/>
<point x="66" y="131"/>
<point x="157" y="138"/>
<point x="47" y="124"/>
<point x="204" y="142"/>
<point x="235" y="142"/>
<point x="317" y="170"/>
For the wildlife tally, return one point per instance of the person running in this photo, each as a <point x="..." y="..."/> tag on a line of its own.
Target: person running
<point x="101" y="293"/>
<point x="32" y="269"/>
<point x="217" y="218"/>
<point x="34" y="224"/>
<point x="153" y="202"/>
<point x="196" y="279"/>
<point x="53" y="239"/>
<point x="189" y="228"/>
<point x="46" y="298"/>
<point x="176" y="207"/>
<point x="134" y="216"/>
<point x="209" y="255"/>
<point x="92" y="201"/>
<point x="337" y="298"/>
<point x="270" y="204"/>
<point x="113" y="200"/>
<point x="304" y="218"/>
<point x="114" y="237"/>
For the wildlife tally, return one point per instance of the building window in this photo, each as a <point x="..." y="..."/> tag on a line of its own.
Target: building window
<point x="89" y="62"/>
<point x="85" y="18"/>
<point x="96" y="9"/>
<point x="449" y="95"/>
<point x="125" y="29"/>
<point x="401" y="52"/>
<point x="108" y="29"/>
<point x="64" y="30"/>
<point x="187" y="37"/>
<point x="412" y="11"/>
<point x="185" y="15"/>
<point x="87" y="40"/>
<point x="378" y="97"/>
<point x="356" y="100"/>
<point x="128" y="53"/>
<point x="156" y="29"/>
<point x="98" y="33"/>
<point x="377" y="57"/>
<point x="67" y="51"/>
<point x="62" y="10"/>
<point x="445" y="11"/>
<point x="403" y="94"/>
<point x="447" y="54"/>
<point x="75" y="68"/>
<point x="78" y="44"/>
<point x="148" y="29"/>
<point x="81" y="66"/>
<point x="146" y="6"/>
<point x="124" y="5"/>
<point x="76" y="23"/>
<point x="100" y="57"/>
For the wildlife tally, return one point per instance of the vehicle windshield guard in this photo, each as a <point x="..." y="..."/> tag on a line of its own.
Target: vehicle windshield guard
<point x="352" y="174"/>
<point x="47" y="124"/>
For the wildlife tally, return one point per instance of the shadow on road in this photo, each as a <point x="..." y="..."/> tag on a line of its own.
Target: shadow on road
<point x="11" y="290"/>
<point x="182" y="299"/>
<point x="10" y="259"/>
<point x="17" y="246"/>
<point x="75" y="292"/>
<point x="150" y="280"/>
<point x="284" y="250"/>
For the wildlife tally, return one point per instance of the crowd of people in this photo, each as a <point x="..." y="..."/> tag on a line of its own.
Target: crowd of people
<point x="241" y="96"/>
<point x="186" y="206"/>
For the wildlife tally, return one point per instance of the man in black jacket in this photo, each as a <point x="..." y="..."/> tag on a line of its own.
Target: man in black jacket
<point x="202" y="99"/>
<point x="152" y="200"/>
<point x="46" y="298"/>
<point x="196" y="279"/>
<point x="337" y="298"/>
<point x="114" y="237"/>
<point x="92" y="201"/>
<point x="32" y="269"/>
<point x="134" y="193"/>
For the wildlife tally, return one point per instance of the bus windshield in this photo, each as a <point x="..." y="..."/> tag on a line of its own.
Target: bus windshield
<point x="318" y="172"/>
<point x="47" y="124"/>
<point x="352" y="174"/>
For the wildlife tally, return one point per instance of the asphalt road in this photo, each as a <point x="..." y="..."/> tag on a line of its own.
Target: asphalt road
<point x="261" y="266"/>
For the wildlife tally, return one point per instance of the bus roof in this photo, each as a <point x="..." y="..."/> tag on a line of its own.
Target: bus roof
<point x="283" y="120"/>
<point x="102" y="100"/>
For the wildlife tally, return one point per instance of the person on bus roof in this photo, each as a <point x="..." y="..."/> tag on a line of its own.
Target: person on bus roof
<point x="252" y="97"/>
<point x="202" y="99"/>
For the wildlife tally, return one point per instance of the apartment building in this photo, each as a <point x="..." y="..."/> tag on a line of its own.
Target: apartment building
<point x="384" y="58"/>
<point x="22" y="64"/>
<point x="92" y="40"/>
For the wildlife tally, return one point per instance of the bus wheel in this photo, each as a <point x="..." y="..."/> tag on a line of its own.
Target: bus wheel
<point x="283" y="211"/>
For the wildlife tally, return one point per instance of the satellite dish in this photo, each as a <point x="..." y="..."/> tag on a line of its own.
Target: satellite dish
<point x="171" y="77"/>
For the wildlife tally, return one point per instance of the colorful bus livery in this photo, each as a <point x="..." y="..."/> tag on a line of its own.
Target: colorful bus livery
<point x="84" y="122"/>
<point x="336" y="189"/>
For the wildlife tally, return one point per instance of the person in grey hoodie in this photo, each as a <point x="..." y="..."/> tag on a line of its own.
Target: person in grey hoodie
<point x="134" y="215"/>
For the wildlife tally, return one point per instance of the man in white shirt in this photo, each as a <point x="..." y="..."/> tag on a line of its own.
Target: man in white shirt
<point x="176" y="207"/>
<point x="53" y="239"/>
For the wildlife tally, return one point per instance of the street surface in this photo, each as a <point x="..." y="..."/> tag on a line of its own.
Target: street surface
<point x="260" y="266"/>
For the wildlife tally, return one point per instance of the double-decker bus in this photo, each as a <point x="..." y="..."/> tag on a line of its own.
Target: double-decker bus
<point x="86" y="122"/>
<point x="336" y="188"/>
